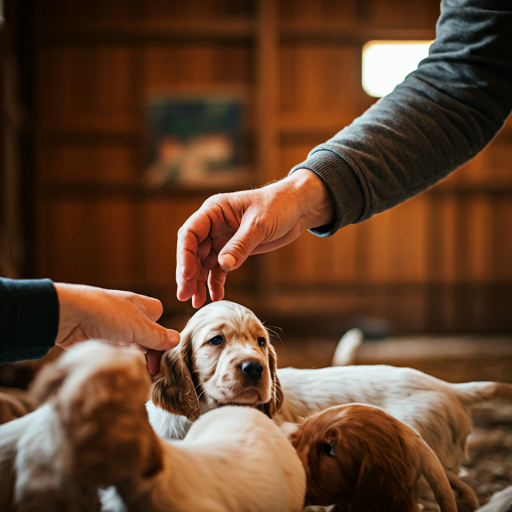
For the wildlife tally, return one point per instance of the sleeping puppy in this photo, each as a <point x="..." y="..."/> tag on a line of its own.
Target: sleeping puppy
<point x="361" y="458"/>
<point x="205" y="371"/>
<point x="224" y="358"/>
<point x="97" y="393"/>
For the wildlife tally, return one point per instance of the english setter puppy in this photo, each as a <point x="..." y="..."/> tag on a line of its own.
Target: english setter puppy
<point x="93" y="431"/>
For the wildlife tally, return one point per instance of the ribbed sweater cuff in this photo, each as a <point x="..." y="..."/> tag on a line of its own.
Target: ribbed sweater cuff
<point x="29" y="318"/>
<point x="343" y="184"/>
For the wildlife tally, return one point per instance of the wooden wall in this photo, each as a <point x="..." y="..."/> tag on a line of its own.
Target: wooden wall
<point x="439" y="262"/>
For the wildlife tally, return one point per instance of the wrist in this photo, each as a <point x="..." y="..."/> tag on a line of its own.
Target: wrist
<point x="69" y="308"/>
<point x="315" y="198"/>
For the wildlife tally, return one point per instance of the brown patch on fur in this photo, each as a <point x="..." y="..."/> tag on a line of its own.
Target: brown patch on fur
<point x="10" y="408"/>
<point x="48" y="381"/>
<point x="173" y="388"/>
<point x="110" y="432"/>
<point x="271" y="408"/>
<point x="102" y="411"/>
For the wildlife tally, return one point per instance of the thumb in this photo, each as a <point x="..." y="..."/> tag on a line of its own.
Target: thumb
<point x="164" y="341"/>
<point x="240" y="247"/>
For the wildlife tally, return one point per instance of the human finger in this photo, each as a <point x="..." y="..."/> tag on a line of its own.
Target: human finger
<point x="240" y="246"/>
<point x="216" y="281"/>
<point x="150" y="306"/>
<point x="153" y="358"/>
<point x="199" y="295"/>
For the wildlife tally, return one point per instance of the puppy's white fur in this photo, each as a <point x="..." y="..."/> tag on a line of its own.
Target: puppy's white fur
<point x="94" y="432"/>
<point x="499" y="502"/>
<point x="232" y="459"/>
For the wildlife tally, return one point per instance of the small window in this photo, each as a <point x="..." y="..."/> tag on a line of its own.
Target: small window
<point x="387" y="63"/>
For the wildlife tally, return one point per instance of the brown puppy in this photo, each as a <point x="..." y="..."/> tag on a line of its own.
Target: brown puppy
<point x="361" y="457"/>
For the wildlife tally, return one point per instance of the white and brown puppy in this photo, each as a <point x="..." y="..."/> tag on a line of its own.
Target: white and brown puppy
<point x="224" y="358"/>
<point x="96" y="433"/>
<point x="205" y="371"/>
<point x="360" y="457"/>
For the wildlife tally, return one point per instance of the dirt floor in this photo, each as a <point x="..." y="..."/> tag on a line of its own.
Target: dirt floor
<point x="488" y="468"/>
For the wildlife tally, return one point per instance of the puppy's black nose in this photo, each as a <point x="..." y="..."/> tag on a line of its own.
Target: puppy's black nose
<point x="252" y="369"/>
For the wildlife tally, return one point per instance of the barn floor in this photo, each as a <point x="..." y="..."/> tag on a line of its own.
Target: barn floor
<point x="488" y="467"/>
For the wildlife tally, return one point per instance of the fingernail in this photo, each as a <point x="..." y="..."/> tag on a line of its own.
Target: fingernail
<point x="227" y="260"/>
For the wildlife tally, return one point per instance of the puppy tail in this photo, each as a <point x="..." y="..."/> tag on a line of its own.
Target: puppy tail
<point x="345" y="352"/>
<point x="471" y="393"/>
<point x="436" y="477"/>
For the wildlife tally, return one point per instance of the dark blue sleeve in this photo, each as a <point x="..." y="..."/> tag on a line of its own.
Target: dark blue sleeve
<point x="440" y="117"/>
<point x="29" y="318"/>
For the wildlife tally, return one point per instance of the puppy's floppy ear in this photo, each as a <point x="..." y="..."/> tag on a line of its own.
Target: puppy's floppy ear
<point x="277" y="395"/>
<point x="382" y="484"/>
<point x="173" y="389"/>
<point x="109" y="436"/>
<point x="48" y="381"/>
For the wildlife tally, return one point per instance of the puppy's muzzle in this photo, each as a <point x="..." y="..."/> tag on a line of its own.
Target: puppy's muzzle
<point x="252" y="369"/>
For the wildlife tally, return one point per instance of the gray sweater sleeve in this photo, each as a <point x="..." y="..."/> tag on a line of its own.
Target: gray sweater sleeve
<point x="440" y="117"/>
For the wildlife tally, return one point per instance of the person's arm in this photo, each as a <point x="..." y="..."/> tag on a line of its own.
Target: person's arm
<point x="440" y="117"/>
<point x="29" y="318"/>
<point x="38" y="314"/>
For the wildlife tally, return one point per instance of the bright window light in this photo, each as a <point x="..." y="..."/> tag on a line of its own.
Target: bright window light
<point x="387" y="63"/>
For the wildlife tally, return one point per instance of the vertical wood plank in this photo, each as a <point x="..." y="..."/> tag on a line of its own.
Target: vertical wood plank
<point x="267" y="83"/>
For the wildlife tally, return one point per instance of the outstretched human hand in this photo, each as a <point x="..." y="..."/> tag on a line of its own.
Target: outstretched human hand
<point x="228" y="228"/>
<point x="117" y="317"/>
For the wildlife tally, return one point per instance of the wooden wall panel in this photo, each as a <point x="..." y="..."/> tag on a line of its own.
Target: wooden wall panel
<point x="403" y="13"/>
<point x="60" y="12"/>
<point x="190" y="66"/>
<point x="207" y="10"/>
<point x="88" y="163"/>
<point x="443" y="249"/>
<point x="320" y="79"/>
<point x="83" y="88"/>
<point x="319" y="11"/>
<point x="502" y="241"/>
<point x="161" y="223"/>
<point x="88" y="242"/>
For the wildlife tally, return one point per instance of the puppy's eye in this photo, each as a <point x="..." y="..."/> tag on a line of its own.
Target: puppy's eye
<point x="261" y="341"/>
<point x="328" y="450"/>
<point x="216" y="340"/>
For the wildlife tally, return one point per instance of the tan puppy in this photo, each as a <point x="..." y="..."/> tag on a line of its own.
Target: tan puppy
<point x="362" y="458"/>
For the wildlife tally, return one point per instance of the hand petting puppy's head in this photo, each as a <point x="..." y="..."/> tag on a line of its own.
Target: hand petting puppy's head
<point x="361" y="457"/>
<point x="224" y="358"/>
